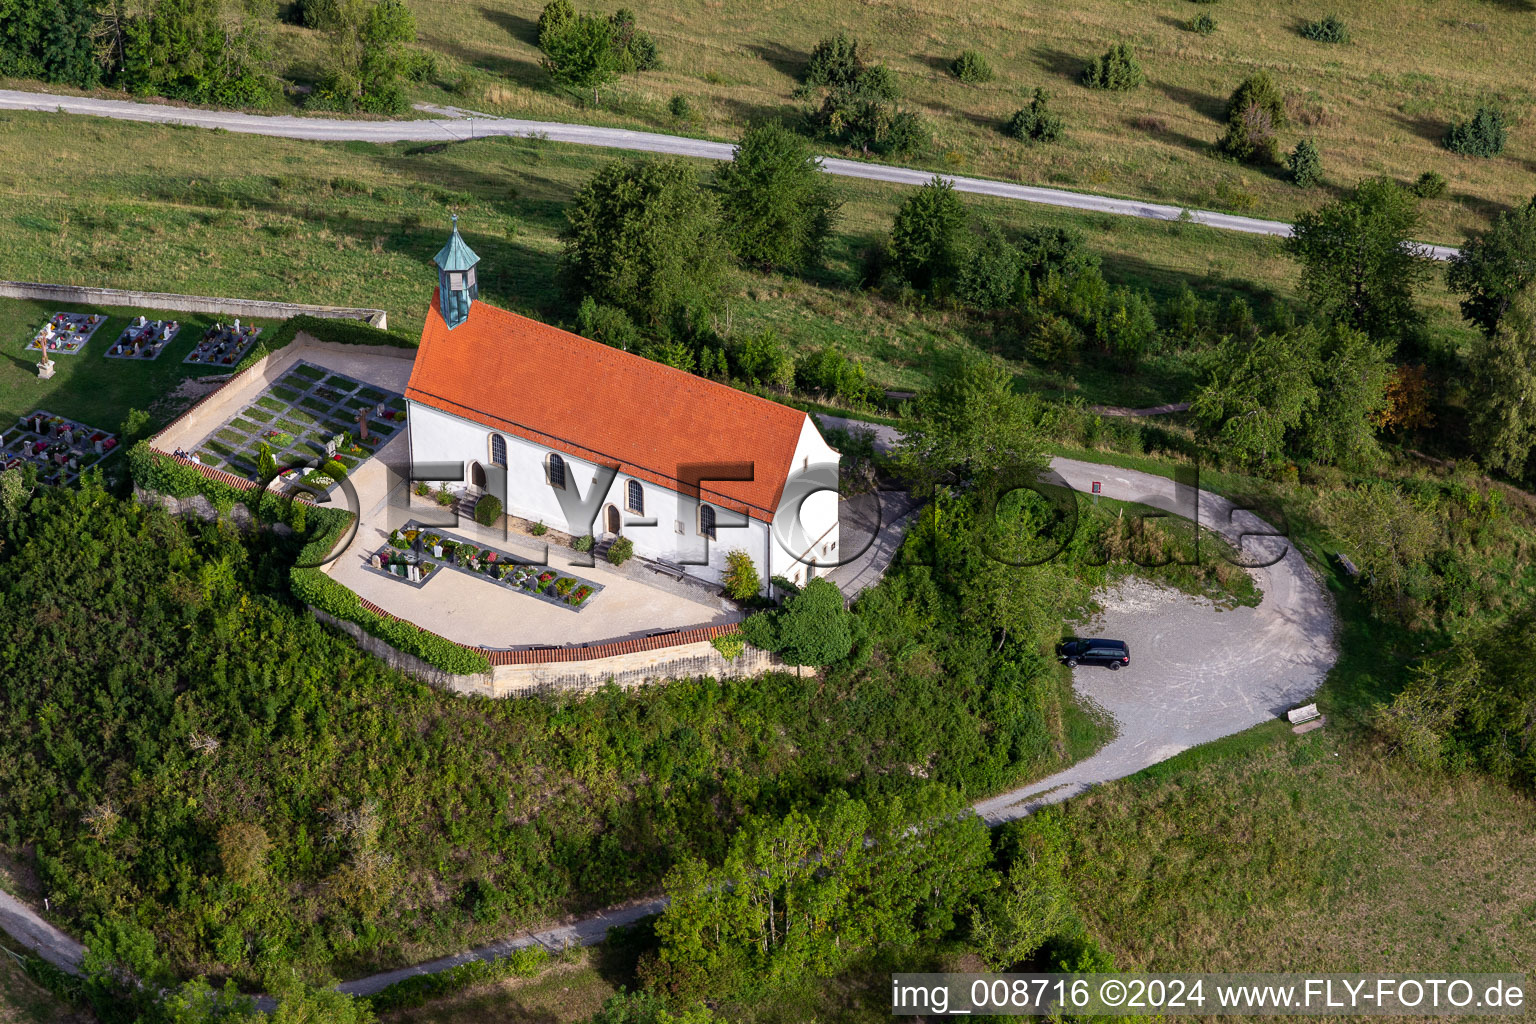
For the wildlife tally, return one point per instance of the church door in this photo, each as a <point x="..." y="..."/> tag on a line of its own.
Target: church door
<point x="612" y="524"/>
<point x="477" y="476"/>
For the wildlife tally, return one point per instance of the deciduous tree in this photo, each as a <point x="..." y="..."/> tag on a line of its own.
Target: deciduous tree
<point x="777" y="204"/>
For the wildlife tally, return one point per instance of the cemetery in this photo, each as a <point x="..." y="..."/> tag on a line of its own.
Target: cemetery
<point x="308" y="414"/>
<point x="66" y="333"/>
<point x="415" y="552"/>
<point x="60" y="448"/>
<point x="144" y="339"/>
<point x="224" y="344"/>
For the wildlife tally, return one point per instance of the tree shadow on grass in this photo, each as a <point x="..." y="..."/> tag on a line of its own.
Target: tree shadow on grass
<point x="1059" y="62"/>
<point x="745" y="112"/>
<point x="617" y="958"/>
<point x="521" y="29"/>
<point x="1202" y="103"/>
<point x="1427" y="128"/>
<point x="782" y="58"/>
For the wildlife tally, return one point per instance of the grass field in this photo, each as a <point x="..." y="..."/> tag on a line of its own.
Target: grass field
<point x="1376" y="105"/>
<point x="357" y="224"/>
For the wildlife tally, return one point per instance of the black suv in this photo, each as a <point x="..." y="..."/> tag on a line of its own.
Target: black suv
<point x="1113" y="653"/>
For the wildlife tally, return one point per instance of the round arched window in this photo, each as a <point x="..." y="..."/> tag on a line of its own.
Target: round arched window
<point x="634" y="498"/>
<point x="707" y="521"/>
<point x="556" y="470"/>
<point x="498" y="451"/>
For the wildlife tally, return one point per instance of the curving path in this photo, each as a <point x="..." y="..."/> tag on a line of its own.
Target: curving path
<point x="1197" y="673"/>
<point x="454" y="124"/>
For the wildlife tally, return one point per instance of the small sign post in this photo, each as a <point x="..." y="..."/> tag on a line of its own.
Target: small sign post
<point x="1098" y="488"/>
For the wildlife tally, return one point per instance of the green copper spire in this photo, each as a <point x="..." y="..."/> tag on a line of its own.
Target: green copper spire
<point x="456" y="286"/>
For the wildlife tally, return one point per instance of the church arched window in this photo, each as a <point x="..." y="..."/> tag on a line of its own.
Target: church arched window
<point x="498" y="451"/>
<point x="554" y="466"/>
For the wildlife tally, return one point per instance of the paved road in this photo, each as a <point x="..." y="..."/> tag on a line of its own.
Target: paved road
<point x="455" y="124"/>
<point x="1197" y="673"/>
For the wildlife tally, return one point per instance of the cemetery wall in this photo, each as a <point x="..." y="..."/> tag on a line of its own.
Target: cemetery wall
<point x="70" y="294"/>
<point x="654" y="662"/>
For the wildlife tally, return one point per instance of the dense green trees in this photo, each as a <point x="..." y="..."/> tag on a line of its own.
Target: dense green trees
<point x="1307" y="392"/>
<point x="586" y="51"/>
<point x="807" y="895"/>
<point x="970" y="424"/>
<point x="1503" y="366"/>
<point x="858" y="107"/>
<point x="52" y="40"/>
<point x="813" y="627"/>
<point x="644" y="236"/>
<point x="1305" y="164"/>
<point x="367" y="57"/>
<point x="1359" y="263"/>
<point x="1492" y="267"/>
<point x="1118" y="70"/>
<point x="776" y="203"/>
<point x="1035" y="123"/>
<point x="1483" y="134"/>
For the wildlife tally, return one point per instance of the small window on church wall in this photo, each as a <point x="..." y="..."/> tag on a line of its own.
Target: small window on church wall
<point x="498" y="451"/>
<point x="555" y="468"/>
<point x="634" y="498"/>
<point x="707" y="521"/>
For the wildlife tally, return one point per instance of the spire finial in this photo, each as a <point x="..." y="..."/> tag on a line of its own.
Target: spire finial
<point x="455" y="222"/>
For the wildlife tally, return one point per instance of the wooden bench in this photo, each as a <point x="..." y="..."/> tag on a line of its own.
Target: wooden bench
<point x="666" y="569"/>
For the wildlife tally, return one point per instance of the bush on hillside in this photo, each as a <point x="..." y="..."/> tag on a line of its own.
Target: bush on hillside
<point x="1306" y="164"/>
<point x="989" y="274"/>
<point x="835" y="61"/>
<point x="1330" y="29"/>
<point x="925" y="238"/>
<point x="1202" y="24"/>
<point x="1255" y="116"/>
<point x="634" y="50"/>
<point x="776" y="204"/>
<point x="1430" y="185"/>
<point x="1035" y="123"/>
<point x="679" y="107"/>
<point x="1483" y="134"/>
<point x="971" y="67"/>
<point x="555" y="18"/>
<point x="1117" y="70"/>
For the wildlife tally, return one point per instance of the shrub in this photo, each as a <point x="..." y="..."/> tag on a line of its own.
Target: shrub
<point x="925" y="237"/>
<point x="835" y="61"/>
<point x="776" y="203"/>
<point x="555" y="18"/>
<point x="443" y="497"/>
<point x="1255" y="115"/>
<point x="1202" y="24"/>
<point x="487" y="510"/>
<point x="634" y="50"/>
<point x="1035" y="123"/>
<point x="741" y="578"/>
<point x="1118" y="70"/>
<point x="1484" y="134"/>
<point x="971" y="67"/>
<point x="621" y="551"/>
<point x="814" y="627"/>
<point x="422" y="489"/>
<point x="863" y="113"/>
<point x="583" y="543"/>
<point x="730" y="646"/>
<point x="1330" y="29"/>
<point x="1306" y="164"/>
<point x="679" y="107"/>
<point x="988" y="277"/>
<point x="1430" y="185"/>
<point x="243" y="852"/>
<point x="538" y="529"/>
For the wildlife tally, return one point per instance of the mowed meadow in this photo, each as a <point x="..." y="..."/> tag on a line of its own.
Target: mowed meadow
<point x="214" y="213"/>
<point x="1378" y="104"/>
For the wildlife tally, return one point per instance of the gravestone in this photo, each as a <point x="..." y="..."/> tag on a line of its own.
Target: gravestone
<point x="362" y="424"/>
<point x="45" y="368"/>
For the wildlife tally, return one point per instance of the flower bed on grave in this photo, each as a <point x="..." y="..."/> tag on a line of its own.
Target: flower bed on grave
<point x="66" y="333"/>
<point x="433" y="549"/>
<point x="223" y="345"/>
<point x="144" y="339"/>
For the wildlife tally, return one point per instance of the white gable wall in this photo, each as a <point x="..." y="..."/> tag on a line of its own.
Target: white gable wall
<point x="805" y="526"/>
<point x="438" y="436"/>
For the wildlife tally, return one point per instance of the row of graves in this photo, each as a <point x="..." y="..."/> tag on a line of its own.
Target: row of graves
<point x="308" y="415"/>
<point x="416" y="553"/>
<point x="142" y="340"/>
<point x="224" y="344"/>
<point x="59" y="447"/>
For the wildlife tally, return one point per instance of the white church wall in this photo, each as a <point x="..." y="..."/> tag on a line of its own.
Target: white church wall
<point x="806" y="521"/>
<point x="441" y="437"/>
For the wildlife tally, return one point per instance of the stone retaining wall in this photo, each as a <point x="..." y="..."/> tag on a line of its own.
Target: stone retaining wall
<point x="77" y="295"/>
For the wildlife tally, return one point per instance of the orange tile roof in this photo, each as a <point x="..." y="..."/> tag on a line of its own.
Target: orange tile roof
<point x="604" y="406"/>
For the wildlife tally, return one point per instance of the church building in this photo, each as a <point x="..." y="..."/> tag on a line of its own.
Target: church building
<point x="586" y="438"/>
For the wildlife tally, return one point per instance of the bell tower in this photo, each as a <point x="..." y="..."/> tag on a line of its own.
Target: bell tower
<point x="456" y="287"/>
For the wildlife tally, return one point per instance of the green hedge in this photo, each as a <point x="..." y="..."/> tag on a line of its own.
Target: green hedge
<point x="342" y="332"/>
<point x="154" y="471"/>
<point x="422" y="988"/>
